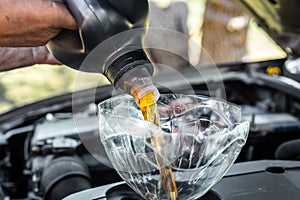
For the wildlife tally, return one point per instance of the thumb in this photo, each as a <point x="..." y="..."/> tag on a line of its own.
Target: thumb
<point x="64" y="16"/>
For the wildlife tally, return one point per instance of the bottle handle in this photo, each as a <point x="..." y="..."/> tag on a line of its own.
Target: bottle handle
<point x="97" y="21"/>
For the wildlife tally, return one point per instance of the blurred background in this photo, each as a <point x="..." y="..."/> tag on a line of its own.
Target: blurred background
<point x="207" y="23"/>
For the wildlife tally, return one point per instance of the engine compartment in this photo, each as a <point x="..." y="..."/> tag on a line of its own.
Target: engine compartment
<point x="42" y="155"/>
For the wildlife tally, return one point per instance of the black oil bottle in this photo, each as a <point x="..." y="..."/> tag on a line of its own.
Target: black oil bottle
<point x="117" y="28"/>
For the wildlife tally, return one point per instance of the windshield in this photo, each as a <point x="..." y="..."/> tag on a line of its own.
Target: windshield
<point x="198" y="19"/>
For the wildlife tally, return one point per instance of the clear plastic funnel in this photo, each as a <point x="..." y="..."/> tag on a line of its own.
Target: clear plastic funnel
<point x="201" y="138"/>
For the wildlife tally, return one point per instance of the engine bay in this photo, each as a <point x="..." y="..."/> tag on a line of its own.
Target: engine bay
<point x="42" y="155"/>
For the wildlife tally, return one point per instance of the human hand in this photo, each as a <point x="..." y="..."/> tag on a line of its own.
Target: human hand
<point x="27" y="23"/>
<point x="12" y="58"/>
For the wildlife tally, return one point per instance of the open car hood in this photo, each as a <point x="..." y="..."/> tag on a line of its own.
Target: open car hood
<point x="280" y="18"/>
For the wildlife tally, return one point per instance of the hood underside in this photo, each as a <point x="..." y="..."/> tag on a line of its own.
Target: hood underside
<point x="280" y="18"/>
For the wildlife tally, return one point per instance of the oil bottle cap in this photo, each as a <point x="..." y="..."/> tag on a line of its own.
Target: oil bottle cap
<point x="126" y="62"/>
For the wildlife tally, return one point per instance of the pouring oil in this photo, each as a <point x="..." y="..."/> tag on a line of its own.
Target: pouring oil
<point x="148" y="106"/>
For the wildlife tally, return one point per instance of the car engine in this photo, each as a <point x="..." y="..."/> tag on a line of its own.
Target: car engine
<point x="42" y="156"/>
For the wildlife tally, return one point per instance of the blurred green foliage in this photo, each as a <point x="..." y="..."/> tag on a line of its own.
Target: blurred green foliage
<point x="25" y="85"/>
<point x="29" y="84"/>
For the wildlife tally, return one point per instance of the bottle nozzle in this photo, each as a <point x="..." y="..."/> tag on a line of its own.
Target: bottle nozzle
<point x="142" y="87"/>
<point x="131" y="72"/>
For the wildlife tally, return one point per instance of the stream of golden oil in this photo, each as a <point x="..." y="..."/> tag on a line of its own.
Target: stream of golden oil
<point x="148" y="106"/>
